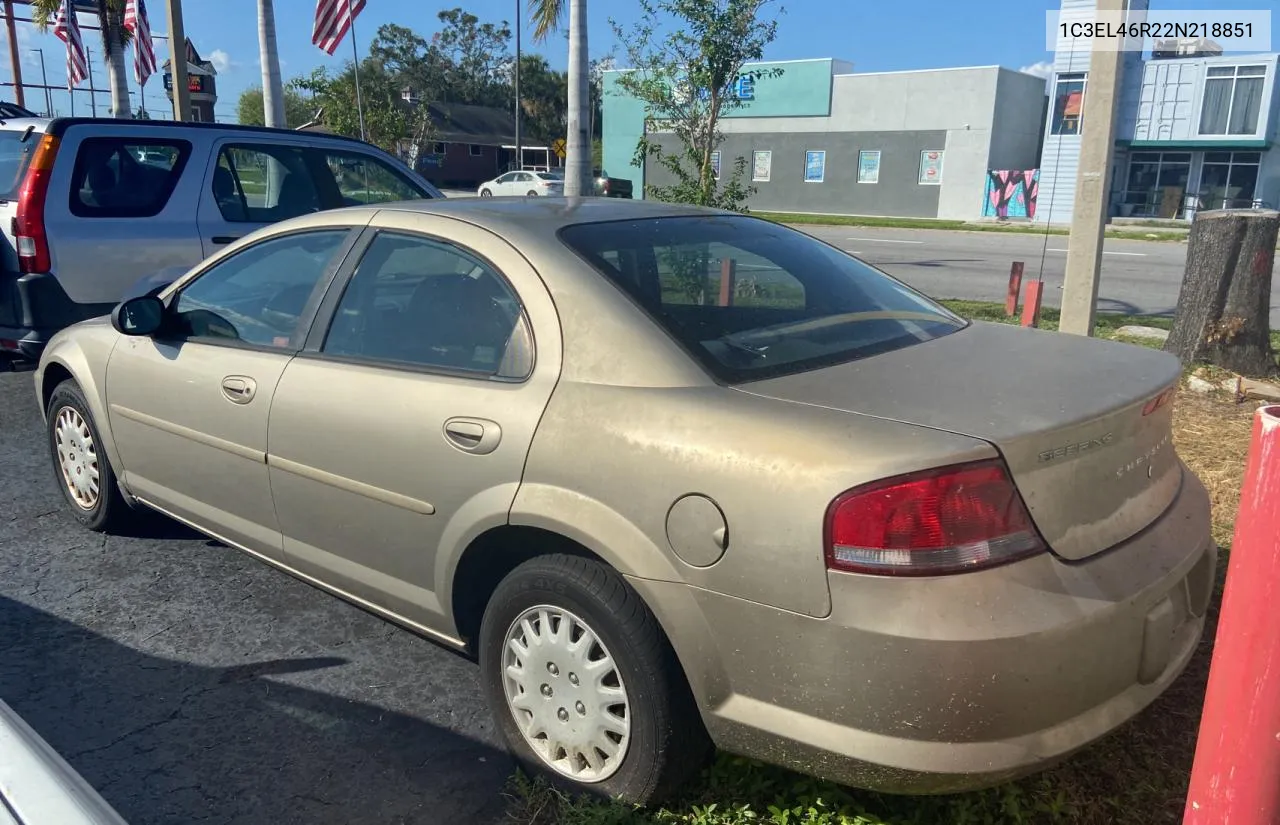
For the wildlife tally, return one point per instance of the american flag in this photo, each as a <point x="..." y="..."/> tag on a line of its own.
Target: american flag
<point x="67" y="29"/>
<point x="144" y="53"/>
<point x="333" y="19"/>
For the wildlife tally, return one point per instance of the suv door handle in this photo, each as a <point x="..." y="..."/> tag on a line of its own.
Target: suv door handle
<point x="478" y="436"/>
<point x="239" y="389"/>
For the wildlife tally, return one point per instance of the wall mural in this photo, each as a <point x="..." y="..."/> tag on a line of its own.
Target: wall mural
<point x="1011" y="193"/>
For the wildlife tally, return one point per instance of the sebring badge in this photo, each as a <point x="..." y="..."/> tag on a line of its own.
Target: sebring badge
<point x="1075" y="448"/>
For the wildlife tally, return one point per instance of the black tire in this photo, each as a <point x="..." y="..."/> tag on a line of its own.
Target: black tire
<point x="110" y="511"/>
<point x="667" y="745"/>
<point x="485" y="193"/>
<point x="531" y="193"/>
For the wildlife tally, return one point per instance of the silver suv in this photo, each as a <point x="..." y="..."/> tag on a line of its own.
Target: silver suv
<point x="88" y="206"/>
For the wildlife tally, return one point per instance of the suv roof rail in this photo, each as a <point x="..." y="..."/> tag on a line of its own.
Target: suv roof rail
<point x="58" y="126"/>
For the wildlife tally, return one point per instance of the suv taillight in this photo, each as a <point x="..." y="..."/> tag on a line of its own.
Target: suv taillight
<point x="28" y="223"/>
<point x="948" y="520"/>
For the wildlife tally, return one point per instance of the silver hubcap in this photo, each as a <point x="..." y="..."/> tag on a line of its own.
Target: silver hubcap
<point x="566" y="694"/>
<point x="77" y="457"/>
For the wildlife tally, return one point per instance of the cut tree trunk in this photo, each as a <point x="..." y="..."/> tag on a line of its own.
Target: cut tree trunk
<point x="1224" y="306"/>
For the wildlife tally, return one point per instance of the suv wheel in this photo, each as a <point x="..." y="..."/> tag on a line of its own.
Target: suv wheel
<point x="585" y="687"/>
<point x="84" y="475"/>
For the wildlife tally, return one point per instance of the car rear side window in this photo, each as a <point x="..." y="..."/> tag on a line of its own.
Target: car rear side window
<point x="15" y="154"/>
<point x="118" y="177"/>
<point x="424" y="303"/>
<point x="265" y="183"/>
<point x="363" y="179"/>
<point x="751" y="299"/>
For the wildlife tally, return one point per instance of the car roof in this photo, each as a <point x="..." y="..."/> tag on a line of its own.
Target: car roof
<point x="58" y="126"/>
<point x="513" y="217"/>
<point x="20" y="124"/>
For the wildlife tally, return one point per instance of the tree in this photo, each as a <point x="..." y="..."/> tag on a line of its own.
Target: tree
<point x="390" y="121"/>
<point x="547" y="15"/>
<point x="115" y="38"/>
<point x="1225" y="300"/>
<point x="274" y="105"/>
<point x="298" y="108"/>
<point x="479" y="62"/>
<point x="686" y="75"/>
<point x="544" y="99"/>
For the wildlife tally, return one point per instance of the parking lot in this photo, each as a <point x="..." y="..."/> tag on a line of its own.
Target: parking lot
<point x="189" y="683"/>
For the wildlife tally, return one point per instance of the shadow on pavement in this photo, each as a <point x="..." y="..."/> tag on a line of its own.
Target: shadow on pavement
<point x="170" y="742"/>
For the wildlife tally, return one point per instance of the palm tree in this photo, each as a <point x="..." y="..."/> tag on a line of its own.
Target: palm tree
<point x="547" y="15"/>
<point x="272" y="90"/>
<point x="115" y="37"/>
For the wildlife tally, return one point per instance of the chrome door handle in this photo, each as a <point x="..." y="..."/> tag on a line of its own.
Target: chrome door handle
<point x="239" y="389"/>
<point x="478" y="436"/>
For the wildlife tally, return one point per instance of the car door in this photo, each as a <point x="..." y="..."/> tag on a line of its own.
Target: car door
<point x="400" y="432"/>
<point x="502" y="182"/>
<point x="251" y="184"/>
<point x="188" y="407"/>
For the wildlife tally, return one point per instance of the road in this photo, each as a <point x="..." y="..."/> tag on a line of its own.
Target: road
<point x="189" y="683"/>
<point x="1137" y="276"/>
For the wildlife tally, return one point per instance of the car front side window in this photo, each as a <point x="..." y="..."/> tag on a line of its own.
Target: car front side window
<point x="258" y="295"/>
<point x="362" y="179"/>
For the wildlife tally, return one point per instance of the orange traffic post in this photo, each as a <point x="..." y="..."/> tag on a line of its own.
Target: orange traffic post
<point x="1031" y="306"/>
<point x="1235" y="779"/>
<point x="1015" y="289"/>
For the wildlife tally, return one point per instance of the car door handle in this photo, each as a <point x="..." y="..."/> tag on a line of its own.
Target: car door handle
<point x="473" y="435"/>
<point x="223" y="240"/>
<point x="239" y="389"/>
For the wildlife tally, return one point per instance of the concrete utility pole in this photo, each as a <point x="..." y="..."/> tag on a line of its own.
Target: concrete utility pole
<point x="178" y="62"/>
<point x="1097" y="145"/>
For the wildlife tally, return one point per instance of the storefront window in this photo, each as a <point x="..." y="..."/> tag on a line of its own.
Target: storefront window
<point x="1156" y="184"/>
<point x="1232" y="100"/>
<point x="1229" y="180"/>
<point x="1068" y="104"/>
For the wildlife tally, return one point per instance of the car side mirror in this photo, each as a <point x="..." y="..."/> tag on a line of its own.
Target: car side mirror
<point x="142" y="315"/>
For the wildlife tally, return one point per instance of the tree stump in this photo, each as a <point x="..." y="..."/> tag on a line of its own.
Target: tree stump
<point x="1224" y="305"/>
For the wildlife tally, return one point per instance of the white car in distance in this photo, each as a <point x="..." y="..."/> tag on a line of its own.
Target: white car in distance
<point x="531" y="184"/>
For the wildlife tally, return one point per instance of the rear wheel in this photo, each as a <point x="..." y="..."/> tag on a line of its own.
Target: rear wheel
<point x="532" y="193"/>
<point x="584" y="684"/>
<point x="84" y="475"/>
<point x="485" y="193"/>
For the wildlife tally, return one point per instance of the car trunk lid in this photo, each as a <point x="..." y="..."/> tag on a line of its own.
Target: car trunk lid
<point x="1076" y="419"/>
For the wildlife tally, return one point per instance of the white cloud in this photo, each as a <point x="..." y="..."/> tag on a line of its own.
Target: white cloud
<point x="1042" y="69"/>
<point x="221" y="60"/>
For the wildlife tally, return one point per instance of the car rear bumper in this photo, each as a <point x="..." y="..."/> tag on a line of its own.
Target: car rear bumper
<point x="947" y="684"/>
<point x="32" y="308"/>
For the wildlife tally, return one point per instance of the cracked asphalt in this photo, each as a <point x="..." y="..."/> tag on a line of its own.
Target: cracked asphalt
<point x="190" y="683"/>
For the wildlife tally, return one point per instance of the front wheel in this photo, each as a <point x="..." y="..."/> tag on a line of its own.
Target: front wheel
<point x="485" y="193"/>
<point x="83" y="472"/>
<point x="584" y="684"/>
<point x="532" y="193"/>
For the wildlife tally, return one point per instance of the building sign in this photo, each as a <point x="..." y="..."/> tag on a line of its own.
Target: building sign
<point x="869" y="167"/>
<point x="761" y="165"/>
<point x="195" y="83"/>
<point x="815" y="166"/>
<point x="931" y="166"/>
<point x="715" y="165"/>
<point x="744" y="88"/>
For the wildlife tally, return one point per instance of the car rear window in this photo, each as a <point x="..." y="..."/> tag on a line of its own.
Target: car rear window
<point x="15" y="154"/>
<point x="751" y="299"/>
<point x="126" y="177"/>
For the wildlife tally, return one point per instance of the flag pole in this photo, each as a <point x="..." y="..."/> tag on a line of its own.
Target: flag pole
<point x="355" y="53"/>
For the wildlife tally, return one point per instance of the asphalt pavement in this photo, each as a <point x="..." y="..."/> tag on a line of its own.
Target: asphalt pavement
<point x="189" y="683"/>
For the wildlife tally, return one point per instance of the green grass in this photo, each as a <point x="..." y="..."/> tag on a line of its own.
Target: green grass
<point x="1136" y="776"/>
<point x="955" y="226"/>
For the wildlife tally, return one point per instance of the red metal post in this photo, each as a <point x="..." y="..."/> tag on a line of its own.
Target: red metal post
<point x="1031" y="306"/>
<point x="728" y="277"/>
<point x="1236" y="775"/>
<point x="1015" y="288"/>
<point x="15" y="59"/>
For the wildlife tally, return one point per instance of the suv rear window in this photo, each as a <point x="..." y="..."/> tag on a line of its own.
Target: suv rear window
<point x="125" y="177"/>
<point x="751" y="299"/>
<point x="15" y="154"/>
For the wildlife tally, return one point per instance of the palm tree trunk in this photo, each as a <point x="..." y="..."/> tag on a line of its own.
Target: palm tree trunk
<point x="578" y="151"/>
<point x="272" y="90"/>
<point x="111" y="21"/>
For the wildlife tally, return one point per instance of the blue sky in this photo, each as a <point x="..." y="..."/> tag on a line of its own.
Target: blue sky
<point x="874" y="34"/>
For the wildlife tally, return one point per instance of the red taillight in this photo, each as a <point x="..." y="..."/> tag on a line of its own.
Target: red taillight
<point x="28" y="223"/>
<point x="948" y="520"/>
<point x="1159" y="401"/>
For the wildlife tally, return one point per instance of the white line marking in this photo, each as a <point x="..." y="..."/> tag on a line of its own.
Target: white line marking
<point x="854" y="251"/>
<point x="883" y="240"/>
<point x="1105" y="252"/>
